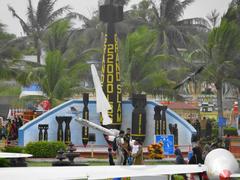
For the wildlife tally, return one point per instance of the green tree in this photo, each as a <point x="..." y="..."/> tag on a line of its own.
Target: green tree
<point x="9" y="51"/>
<point x="213" y="17"/>
<point x="222" y="48"/>
<point x="57" y="36"/>
<point x="39" y="20"/>
<point x="142" y="71"/>
<point x="165" y="18"/>
<point x="233" y="15"/>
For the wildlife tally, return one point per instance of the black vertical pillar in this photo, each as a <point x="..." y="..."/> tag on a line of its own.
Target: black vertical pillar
<point x="60" y="120"/>
<point x="170" y="126"/>
<point x="164" y="121"/>
<point x="175" y="133"/>
<point x="45" y="135"/>
<point x="110" y="14"/>
<point x="40" y="134"/>
<point x="85" y="130"/>
<point x="157" y="118"/>
<point x="67" y="137"/>
<point x="139" y="117"/>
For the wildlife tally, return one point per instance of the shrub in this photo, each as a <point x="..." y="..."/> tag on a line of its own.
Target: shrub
<point x="14" y="149"/>
<point x="44" y="149"/>
<point x="4" y="162"/>
<point x="178" y="177"/>
<point x="231" y="131"/>
<point x="215" y="132"/>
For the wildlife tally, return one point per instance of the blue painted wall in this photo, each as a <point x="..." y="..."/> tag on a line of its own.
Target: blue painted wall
<point x="29" y="132"/>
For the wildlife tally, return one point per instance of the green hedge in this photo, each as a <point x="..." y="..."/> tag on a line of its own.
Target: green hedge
<point x="44" y="149"/>
<point x="231" y="131"/>
<point x="215" y="132"/>
<point x="4" y="163"/>
<point x="14" y="149"/>
<point x="178" y="177"/>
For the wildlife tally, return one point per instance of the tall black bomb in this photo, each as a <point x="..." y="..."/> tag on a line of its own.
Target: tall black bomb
<point x="110" y="14"/>
<point x="139" y="117"/>
<point x="85" y="115"/>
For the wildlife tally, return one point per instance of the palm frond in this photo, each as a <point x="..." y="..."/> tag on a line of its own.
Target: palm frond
<point x="173" y="10"/>
<point x="187" y="3"/>
<point x="155" y="11"/>
<point x="58" y="13"/>
<point x="31" y="15"/>
<point x="75" y="15"/>
<point x="44" y="9"/>
<point x="24" y="25"/>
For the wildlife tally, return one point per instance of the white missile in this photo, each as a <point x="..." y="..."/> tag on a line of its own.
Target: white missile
<point x="101" y="101"/>
<point x="108" y="132"/>
<point x="221" y="164"/>
<point x="14" y="155"/>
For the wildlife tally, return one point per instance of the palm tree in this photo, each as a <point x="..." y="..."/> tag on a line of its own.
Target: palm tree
<point x="69" y="73"/>
<point x="9" y="51"/>
<point x="57" y="36"/>
<point x="142" y="71"/>
<point x="222" y="50"/>
<point x="213" y="17"/>
<point x="165" y="18"/>
<point x="39" y="20"/>
<point x="54" y="77"/>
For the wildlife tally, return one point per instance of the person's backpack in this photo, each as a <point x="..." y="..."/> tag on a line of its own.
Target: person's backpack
<point x="114" y="145"/>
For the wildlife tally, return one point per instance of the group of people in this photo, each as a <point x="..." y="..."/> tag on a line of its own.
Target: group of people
<point x="199" y="153"/>
<point x="9" y="128"/>
<point x="196" y="158"/>
<point x="128" y="151"/>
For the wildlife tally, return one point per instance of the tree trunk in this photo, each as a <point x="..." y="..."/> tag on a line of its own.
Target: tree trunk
<point x="39" y="55"/>
<point x="38" y="48"/>
<point x="218" y="86"/>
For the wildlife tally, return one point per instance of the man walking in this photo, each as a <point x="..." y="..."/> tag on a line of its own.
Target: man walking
<point x="120" y="149"/>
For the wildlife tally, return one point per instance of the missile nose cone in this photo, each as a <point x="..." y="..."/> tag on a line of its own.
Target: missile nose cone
<point x="225" y="175"/>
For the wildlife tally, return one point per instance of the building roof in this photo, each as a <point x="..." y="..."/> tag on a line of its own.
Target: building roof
<point x="182" y="106"/>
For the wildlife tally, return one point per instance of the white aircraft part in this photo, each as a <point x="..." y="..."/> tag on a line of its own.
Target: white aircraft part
<point x="14" y="155"/>
<point x="102" y="103"/>
<point x="235" y="175"/>
<point x="104" y="130"/>
<point x="95" y="172"/>
<point x="220" y="160"/>
<point x="106" y="118"/>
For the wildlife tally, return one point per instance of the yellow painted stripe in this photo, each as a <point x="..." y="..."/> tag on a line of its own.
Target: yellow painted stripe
<point x="137" y="134"/>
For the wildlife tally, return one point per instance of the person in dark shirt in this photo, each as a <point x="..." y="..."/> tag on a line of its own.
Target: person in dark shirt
<point x="197" y="159"/>
<point x="127" y="149"/>
<point x="180" y="160"/>
<point x="179" y="157"/>
<point x="110" y="157"/>
<point x="227" y="142"/>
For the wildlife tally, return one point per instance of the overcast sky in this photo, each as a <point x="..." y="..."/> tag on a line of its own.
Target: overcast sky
<point x="200" y="8"/>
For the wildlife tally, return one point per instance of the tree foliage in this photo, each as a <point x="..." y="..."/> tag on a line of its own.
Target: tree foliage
<point x="38" y="20"/>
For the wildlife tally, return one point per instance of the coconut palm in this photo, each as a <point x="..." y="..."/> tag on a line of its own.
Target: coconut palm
<point x="165" y="18"/>
<point x="222" y="50"/>
<point x="9" y="51"/>
<point x="74" y="67"/>
<point x="142" y="71"/>
<point x="57" y="36"/>
<point x="53" y="77"/>
<point x="213" y="17"/>
<point x="38" y="20"/>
